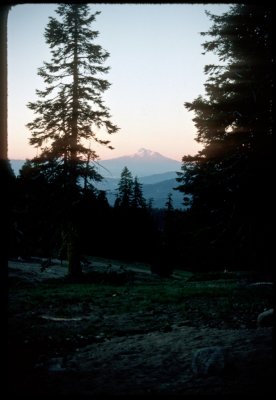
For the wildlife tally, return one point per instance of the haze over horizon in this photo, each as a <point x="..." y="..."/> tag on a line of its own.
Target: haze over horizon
<point x="141" y="152"/>
<point x="144" y="162"/>
<point x="156" y="172"/>
<point x="156" y="65"/>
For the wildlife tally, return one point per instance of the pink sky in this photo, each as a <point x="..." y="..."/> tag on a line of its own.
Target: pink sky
<point x="156" y="65"/>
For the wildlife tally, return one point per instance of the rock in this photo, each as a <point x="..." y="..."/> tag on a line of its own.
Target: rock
<point x="209" y="361"/>
<point x="265" y="318"/>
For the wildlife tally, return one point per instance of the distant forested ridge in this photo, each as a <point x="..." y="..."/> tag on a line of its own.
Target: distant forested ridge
<point x="159" y="179"/>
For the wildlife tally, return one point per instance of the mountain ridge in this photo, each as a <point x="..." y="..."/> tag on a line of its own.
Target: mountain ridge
<point x="155" y="172"/>
<point x="157" y="191"/>
<point x="142" y="163"/>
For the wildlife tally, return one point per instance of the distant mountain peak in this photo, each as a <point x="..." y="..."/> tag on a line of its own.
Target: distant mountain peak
<point x="144" y="162"/>
<point x="146" y="153"/>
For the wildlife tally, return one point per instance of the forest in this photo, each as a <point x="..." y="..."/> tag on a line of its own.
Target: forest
<point x="130" y="256"/>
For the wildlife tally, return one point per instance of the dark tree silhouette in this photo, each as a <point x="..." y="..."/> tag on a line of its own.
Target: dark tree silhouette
<point x="125" y="190"/>
<point x="4" y="10"/>
<point x="169" y="203"/>
<point x="138" y="200"/>
<point x="230" y="178"/>
<point x="70" y="110"/>
<point x="6" y="173"/>
<point x="133" y="230"/>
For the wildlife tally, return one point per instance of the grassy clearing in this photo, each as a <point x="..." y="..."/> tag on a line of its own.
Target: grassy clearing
<point x="106" y="309"/>
<point x="61" y="296"/>
<point x="53" y="319"/>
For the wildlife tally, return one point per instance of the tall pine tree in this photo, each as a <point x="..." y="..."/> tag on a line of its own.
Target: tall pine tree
<point x="70" y="110"/>
<point x="125" y="189"/>
<point x="230" y="178"/>
<point x="138" y="200"/>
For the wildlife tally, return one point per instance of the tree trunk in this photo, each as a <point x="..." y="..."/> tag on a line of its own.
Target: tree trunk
<point x="5" y="169"/>
<point x="3" y="83"/>
<point x="75" y="109"/>
<point x="6" y="173"/>
<point x="73" y="253"/>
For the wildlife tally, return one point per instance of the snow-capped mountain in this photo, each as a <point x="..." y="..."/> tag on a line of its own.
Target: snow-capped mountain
<point x="144" y="162"/>
<point x="145" y="153"/>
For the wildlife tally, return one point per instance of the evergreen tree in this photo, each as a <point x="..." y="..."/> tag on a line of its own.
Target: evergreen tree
<point x="134" y="231"/>
<point x="70" y="109"/>
<point x="37" y="213"/>
<point x="125" y="189"/>
<point x="169" y="203"/>
<point x="234" y="124"/>
<point x="138" y="200"/>
<point x="149" y="204"/>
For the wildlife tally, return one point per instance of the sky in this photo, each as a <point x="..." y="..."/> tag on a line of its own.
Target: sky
<point x="156" y="64"/>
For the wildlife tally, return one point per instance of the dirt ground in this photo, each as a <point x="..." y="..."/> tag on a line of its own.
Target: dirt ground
<point x="138" y="358"/>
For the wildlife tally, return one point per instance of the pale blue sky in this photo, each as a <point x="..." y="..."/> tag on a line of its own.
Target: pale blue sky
<point x="156" y="65"/>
